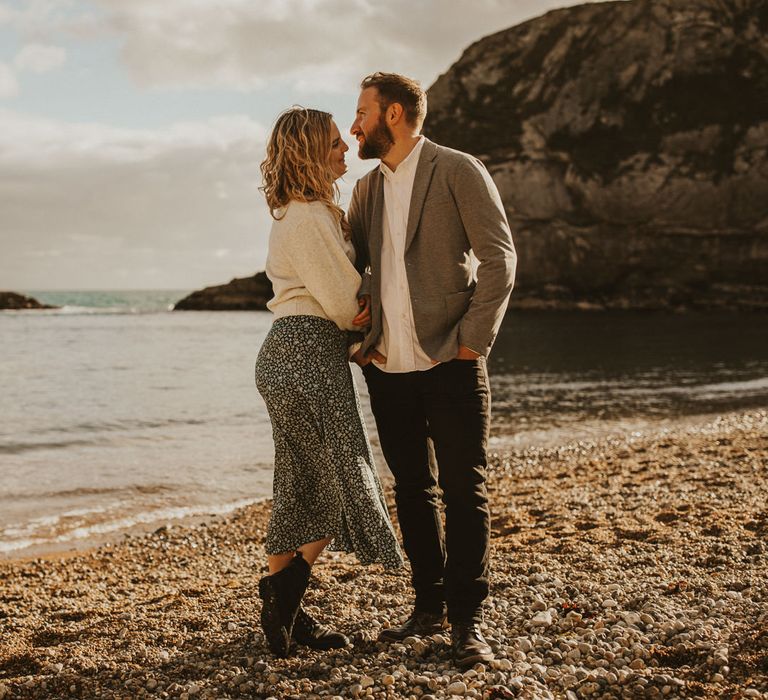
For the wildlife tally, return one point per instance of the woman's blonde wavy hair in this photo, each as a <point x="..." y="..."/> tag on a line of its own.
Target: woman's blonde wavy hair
<point x="297" y="166"/>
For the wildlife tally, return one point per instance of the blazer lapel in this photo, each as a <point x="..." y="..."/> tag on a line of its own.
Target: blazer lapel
<point x="421" y="182"/>
<point x="376" y="233"/>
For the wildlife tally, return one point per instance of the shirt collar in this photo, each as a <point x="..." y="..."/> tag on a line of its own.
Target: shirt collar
<point x="409" y="163"/>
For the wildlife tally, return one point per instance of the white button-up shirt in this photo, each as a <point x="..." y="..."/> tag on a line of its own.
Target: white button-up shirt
<point x="399" y="343"/>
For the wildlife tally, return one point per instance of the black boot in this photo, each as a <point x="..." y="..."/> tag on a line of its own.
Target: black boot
<point x="419" y="624"/>
<point x="469" y="645"/>
<point x="310" y="633"/>
<point x="281" y="595"/>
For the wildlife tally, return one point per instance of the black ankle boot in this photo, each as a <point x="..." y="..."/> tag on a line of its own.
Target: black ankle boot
<point x="419" y="624"/>
<point x="310" y="633"/>
<point x="469" y="645"/>
<point x="281" y="595"/>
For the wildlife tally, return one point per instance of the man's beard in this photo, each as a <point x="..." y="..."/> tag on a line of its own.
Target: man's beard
<point x="377" y="143"/>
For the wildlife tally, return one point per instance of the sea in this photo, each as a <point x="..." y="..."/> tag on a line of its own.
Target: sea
<point x="118" y="414"/>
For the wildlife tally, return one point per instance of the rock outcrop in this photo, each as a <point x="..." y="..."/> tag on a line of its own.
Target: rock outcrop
<point x="14" y="301"/>
<point x="629" y="142"/>
<point x="241" y="294"/>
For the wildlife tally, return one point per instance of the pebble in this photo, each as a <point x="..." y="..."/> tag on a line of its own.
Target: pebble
<point x="542" y="619"/>
<point x="457" y="688"/>
<point x="524" y="645"/>
<point x="632" y="618"/>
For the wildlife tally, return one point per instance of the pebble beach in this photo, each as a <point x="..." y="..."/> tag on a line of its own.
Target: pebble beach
<point x="633" y="566"/>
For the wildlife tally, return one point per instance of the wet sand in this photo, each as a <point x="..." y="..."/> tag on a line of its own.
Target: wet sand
<point x="634" y="566"/>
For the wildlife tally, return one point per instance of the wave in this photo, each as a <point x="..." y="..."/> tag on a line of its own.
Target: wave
<point x="17" y="448"/>
<point x="88" y="311"/>
<point x="122" y="426"/>
<point x="139" y="489"/>
<point x="104" y="302"/>
<point x="637" y="385"/>
<point x="744" y="387"/>
<point x="26" y="538"/>
<point x="738" y="387"/>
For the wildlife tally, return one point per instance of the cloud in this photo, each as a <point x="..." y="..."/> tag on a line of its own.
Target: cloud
<point x="40" y="58"/>
<point x="39" y="18"/>
<point x="6" y="14"/>
<point x="9" y="87"/>
<point x="26" y="139"/>
<point x="109" y="199"/>
<point x="313" y="44"/>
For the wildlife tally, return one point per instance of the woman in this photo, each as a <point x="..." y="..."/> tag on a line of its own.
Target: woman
<point x="326" y="490"/>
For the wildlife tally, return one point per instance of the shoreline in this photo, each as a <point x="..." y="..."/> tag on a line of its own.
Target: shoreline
<point x="143" y="525"/>
<point x="633" y="564"/>
<point x="502" y="440"/>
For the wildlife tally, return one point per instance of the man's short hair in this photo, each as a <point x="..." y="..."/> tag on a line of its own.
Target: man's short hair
<point x="392" y="88"/>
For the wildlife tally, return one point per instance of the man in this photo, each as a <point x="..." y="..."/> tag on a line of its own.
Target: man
<point x="415" y="218"/>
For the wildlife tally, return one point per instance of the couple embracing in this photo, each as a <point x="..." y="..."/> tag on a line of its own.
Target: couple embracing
<point x="391" y="287"/>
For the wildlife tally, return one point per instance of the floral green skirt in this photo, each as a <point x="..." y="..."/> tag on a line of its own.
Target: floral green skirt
<point x="325" y="482"/>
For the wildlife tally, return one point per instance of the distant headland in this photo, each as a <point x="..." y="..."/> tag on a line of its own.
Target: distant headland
<point x="241" y="294"/>
<point x="13" y="301"/>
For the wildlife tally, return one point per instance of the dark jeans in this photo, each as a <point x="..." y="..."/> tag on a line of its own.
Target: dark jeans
<point x="433" y="428"/>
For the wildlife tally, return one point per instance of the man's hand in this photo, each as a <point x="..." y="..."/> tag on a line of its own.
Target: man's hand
<point x="362" y="360"/>
<point x="466" y="354"/>
<point x="363" y="318"/>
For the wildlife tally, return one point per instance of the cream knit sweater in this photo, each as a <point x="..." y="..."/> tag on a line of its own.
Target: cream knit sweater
<point x="311" y="266"/>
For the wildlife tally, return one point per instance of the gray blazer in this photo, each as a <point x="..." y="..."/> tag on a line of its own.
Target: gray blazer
<point x="455" y="208"/>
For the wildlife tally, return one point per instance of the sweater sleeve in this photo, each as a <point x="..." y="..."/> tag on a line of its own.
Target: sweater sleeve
<point x="324" y="269"/>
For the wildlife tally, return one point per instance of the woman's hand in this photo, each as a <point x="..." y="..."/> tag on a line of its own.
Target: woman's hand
<point x="363" y="318"/>
<point x="363" y="360"/>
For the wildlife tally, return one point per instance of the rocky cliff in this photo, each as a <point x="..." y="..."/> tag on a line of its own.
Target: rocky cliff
<point x="14" y="301"/>
<point x="241" y="294"/>
<point x="629" y="141"/>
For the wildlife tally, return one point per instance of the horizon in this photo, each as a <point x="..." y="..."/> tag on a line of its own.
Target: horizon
<point x="94" y="289"/>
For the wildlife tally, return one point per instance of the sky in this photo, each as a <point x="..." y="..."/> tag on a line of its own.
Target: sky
<point x="131" y="131"/>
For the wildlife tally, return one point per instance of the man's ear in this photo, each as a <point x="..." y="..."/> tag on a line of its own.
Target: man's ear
<point x="394" y="113"/>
